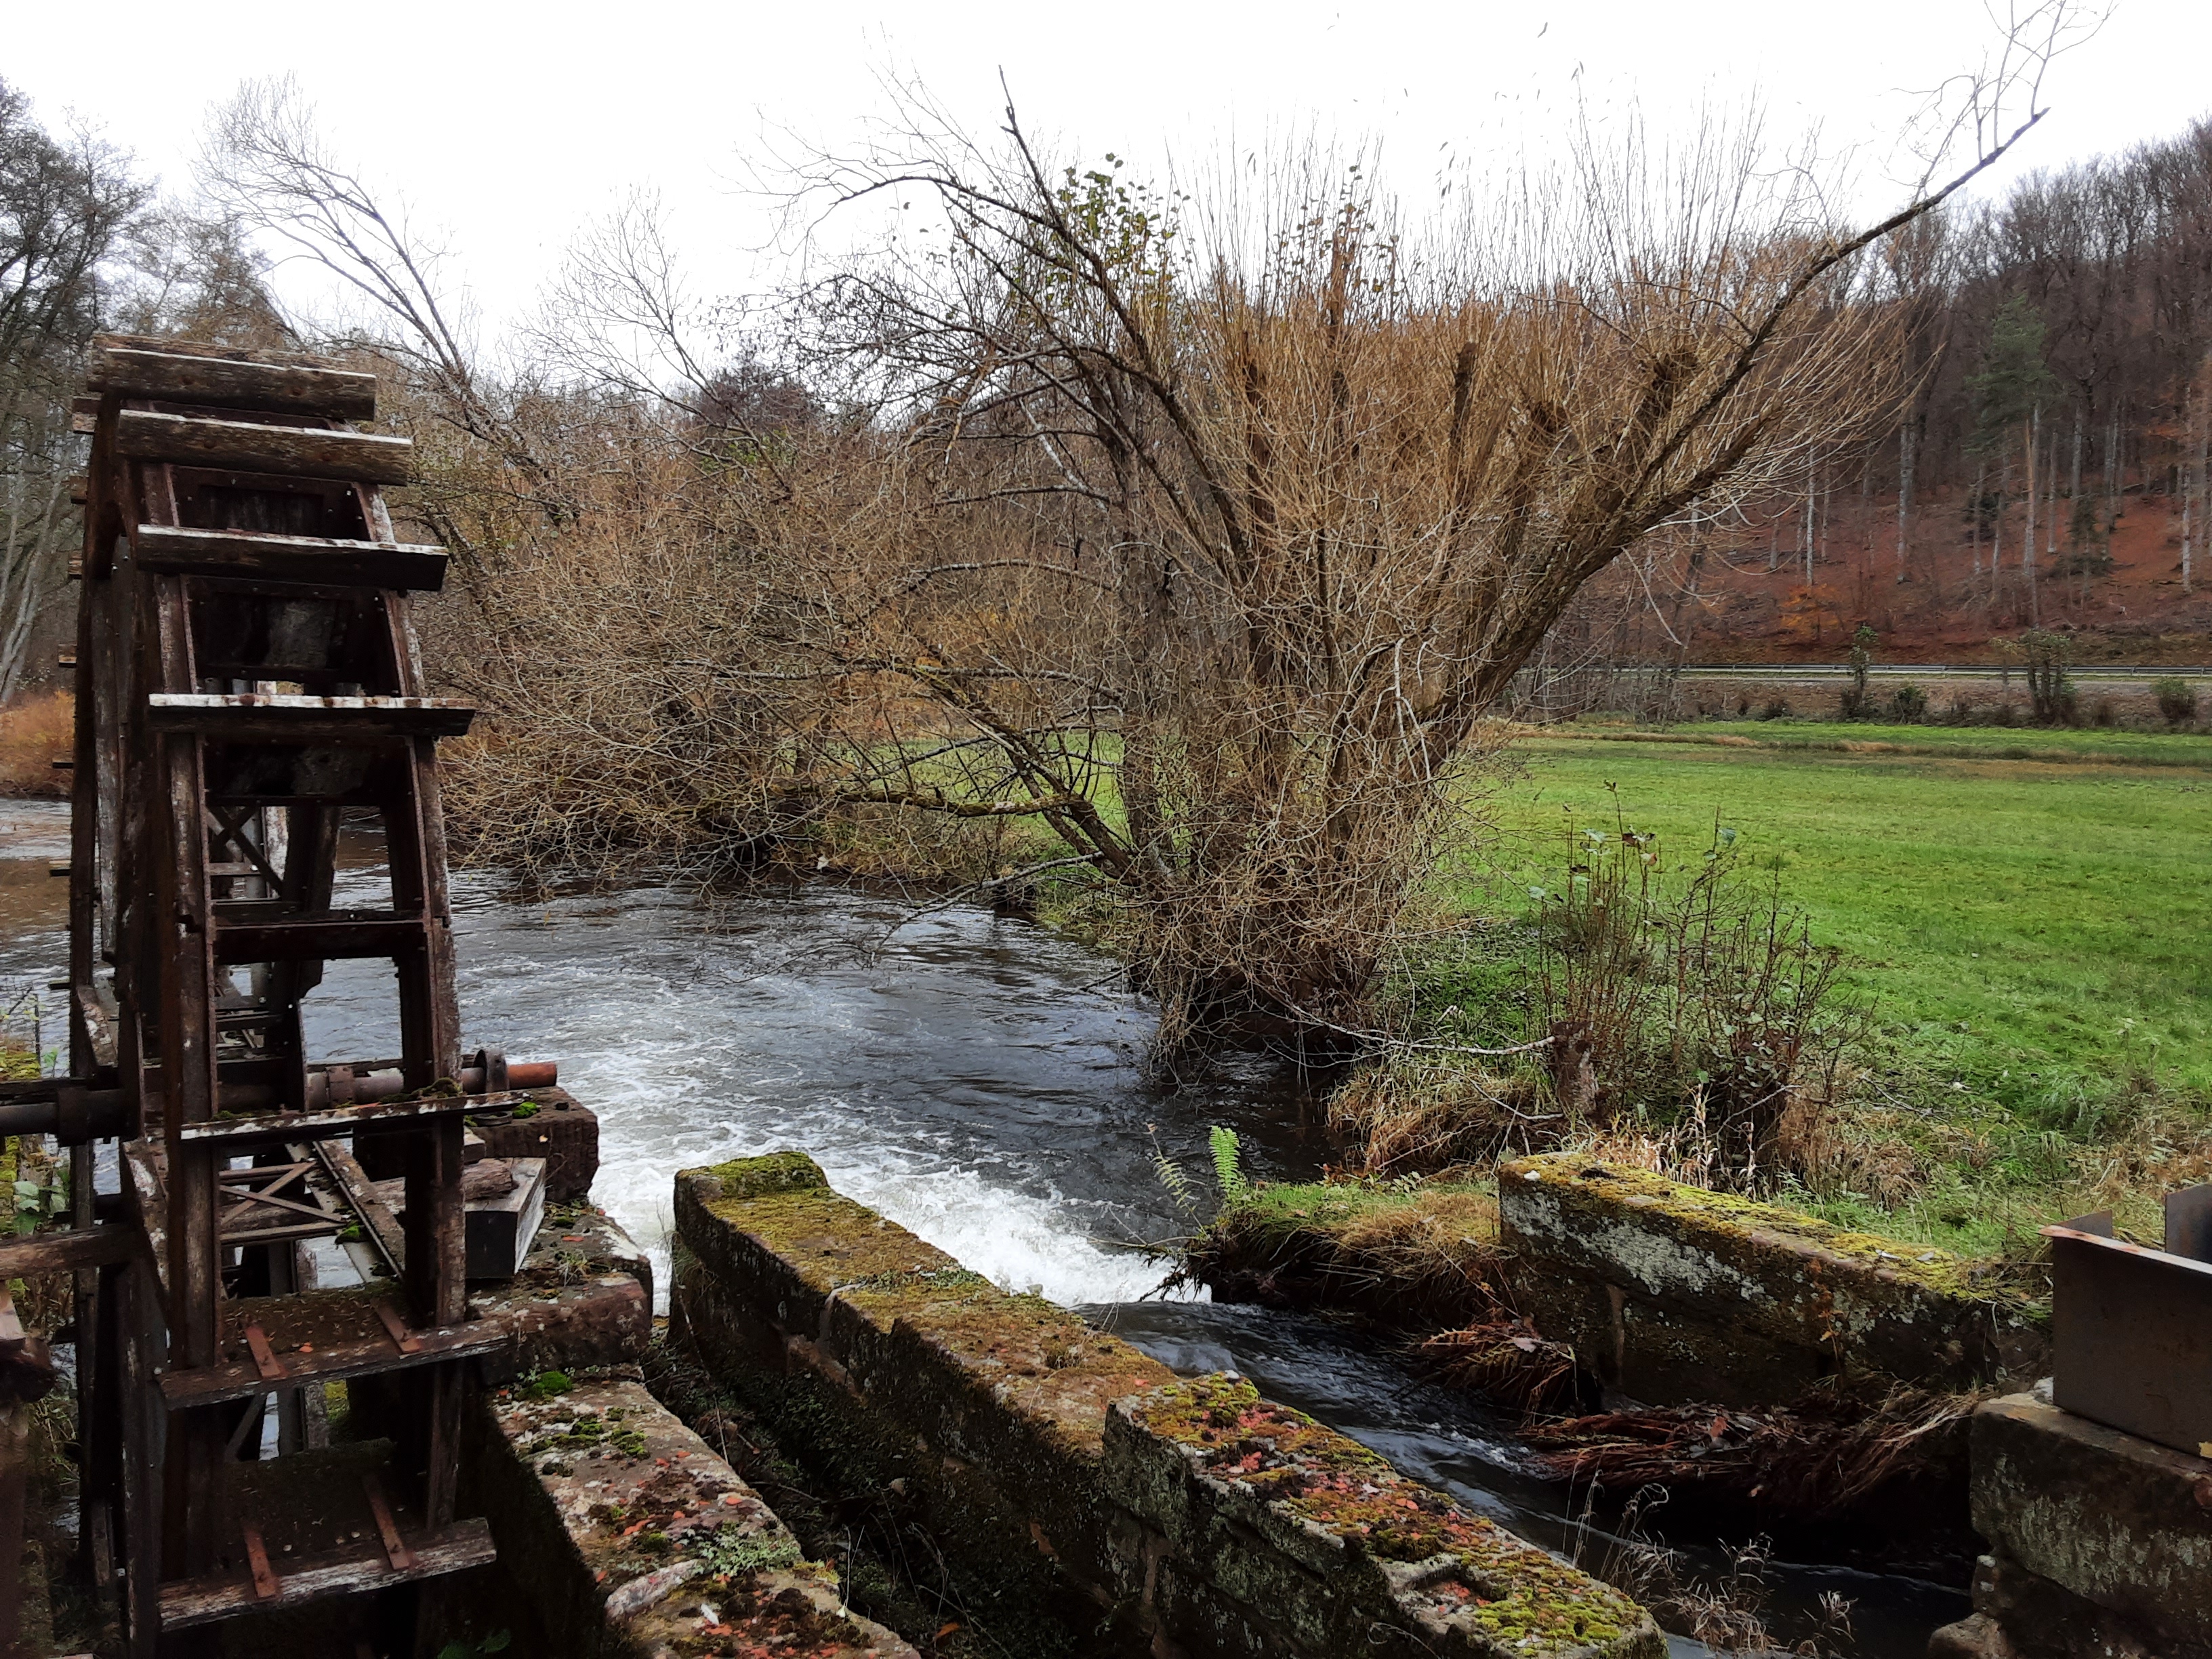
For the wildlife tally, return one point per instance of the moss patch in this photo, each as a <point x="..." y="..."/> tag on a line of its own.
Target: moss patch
<point x="1396" y="1254"/>
<point x="1471" y="1570"/>
<point x="1939" y="1273"/>
<point x="756" y="1178"/>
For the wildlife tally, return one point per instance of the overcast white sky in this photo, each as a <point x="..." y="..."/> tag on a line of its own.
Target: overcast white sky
<point x="507" y="127"/>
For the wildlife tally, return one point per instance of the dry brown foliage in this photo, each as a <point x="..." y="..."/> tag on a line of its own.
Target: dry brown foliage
<point x="34" y="730"/>
<point x="1418" y="1116"/>
<point x="1506" y="1361"/>
<point x="1198" y="533"/>
<point x="1819" y="1456"/>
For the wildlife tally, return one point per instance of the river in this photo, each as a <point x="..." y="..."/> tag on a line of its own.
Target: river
<point x="979" y="1080"/>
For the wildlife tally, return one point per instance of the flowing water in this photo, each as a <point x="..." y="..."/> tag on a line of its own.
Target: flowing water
<point x="979" y="1080"/>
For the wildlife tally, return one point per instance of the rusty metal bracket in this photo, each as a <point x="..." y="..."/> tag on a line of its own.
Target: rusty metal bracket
<point x="2131" y="1337"/>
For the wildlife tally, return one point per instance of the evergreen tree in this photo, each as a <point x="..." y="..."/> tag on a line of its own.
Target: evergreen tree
<point x="2014" y="377"/>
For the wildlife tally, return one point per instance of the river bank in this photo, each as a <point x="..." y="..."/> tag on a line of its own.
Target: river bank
<point x="979" y="1080"/>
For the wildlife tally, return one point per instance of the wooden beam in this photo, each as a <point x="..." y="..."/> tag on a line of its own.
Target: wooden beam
<point x="248" y="447"/>
<point x="176" y="372"/>
<point x="318" y="939"/>
<point x="203" y="1601"/>
<point x="107" y="1245"/>
<point x="271" y="1128"/>
<point x="377" y="1220"/>
<point x="323" y="560"/>
<point x="377" y="1356"/>
<point x="247" y="716"/>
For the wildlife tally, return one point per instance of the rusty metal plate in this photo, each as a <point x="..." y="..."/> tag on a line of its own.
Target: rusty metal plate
<point x="2131" y="1339"/>
<point x="2188" y="1223"/>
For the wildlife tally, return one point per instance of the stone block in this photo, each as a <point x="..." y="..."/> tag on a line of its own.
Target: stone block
<point x="1671" y="1293"/>
<point x="997" y="1414"/>
<point x="779" y="1271"/>
<point x="562" y="1130"/>
<point x="1261" y="1531"/>
<point x="622" y="1535"/>
<point x="582" y="1299"/>
<point x="2115" y="1521"/>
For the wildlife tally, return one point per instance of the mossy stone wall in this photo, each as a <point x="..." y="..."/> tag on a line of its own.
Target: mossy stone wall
<point x="873" y="1351"/>
<point x="1250" y="1529"/>
<point x="1670" y="1293"/>
<point x="622" y="1535"/>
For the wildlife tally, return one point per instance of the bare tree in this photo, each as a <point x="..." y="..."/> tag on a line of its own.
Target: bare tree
<point x="66" y="203"/>
<point x="267" y="167"/>
<point x="1319" y="483"/>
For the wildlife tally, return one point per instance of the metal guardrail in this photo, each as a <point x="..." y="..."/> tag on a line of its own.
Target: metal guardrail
<point x="1926" y="670"/>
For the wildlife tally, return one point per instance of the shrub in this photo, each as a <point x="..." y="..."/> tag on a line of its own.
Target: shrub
<point x="1706" y="999"/>
<point x="1859" y="701"/>
<point x="1777" y="709"/>
<point x="2176" y="698"/>
<point x="2102" y="712"/>
<point x="32" y="731"/>
<point x="2050" y="687"/>
<point x="1909" y="705"/>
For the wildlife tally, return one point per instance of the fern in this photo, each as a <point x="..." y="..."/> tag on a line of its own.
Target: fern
<point x="1235" y="1189"/>
<point x="1172" y="1177"/>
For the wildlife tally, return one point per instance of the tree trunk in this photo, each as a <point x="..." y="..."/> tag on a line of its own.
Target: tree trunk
<point x="2027" y="542"/>
<point x="2203" y="455"/>
<point x="1904" y="457"/>
<point x="2192" y="485"/>
<point x="1811" y="506"/>
<point x="1974" y="516"/>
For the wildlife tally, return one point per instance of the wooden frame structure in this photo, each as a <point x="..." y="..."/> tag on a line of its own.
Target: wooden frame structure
<point x="246" y="672"/>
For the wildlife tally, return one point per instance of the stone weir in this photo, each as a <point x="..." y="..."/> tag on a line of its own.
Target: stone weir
<point x="1076" y="1496"/>
<point x="1670" y="1293"/>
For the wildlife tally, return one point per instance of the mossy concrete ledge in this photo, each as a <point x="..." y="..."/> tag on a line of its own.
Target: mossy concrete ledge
<point x="2100" y="1542"/>
<point x="1671" y="1293"/>
<point x="1250" y="1529"/>
<point x="621" y="1535"/>
<point x="1004" y="1397"/>
<point x="996" y="1414"/>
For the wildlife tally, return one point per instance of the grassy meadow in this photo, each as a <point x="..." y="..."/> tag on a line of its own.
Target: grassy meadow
<point x="2035" y="937"/>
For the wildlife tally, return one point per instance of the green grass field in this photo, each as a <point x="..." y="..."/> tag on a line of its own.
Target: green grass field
<point x="2019" y="915"/>
<point x="2035" y="936"/>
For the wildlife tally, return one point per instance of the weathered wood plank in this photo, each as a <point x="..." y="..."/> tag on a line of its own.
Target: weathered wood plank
<point x="235" y="1134"/>
<point x="99" y="1030"/>
<point x="316" y="938"/>
<point x="171" y="373"/>
<point x="359" y="1191"/>
<point x="208" y="1385"/>
<point x="199" y="1602"/>
<point x="248" y="447"/>
<point x="103" y="1246"/>
<point x="319" y="559"/>
<point x="246" y="716"/>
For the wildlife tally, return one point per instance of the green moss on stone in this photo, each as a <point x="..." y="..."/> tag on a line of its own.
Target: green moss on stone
<point x="1286" y="1460"/>
<point x="833" y="1242"/>
<point x="1940" y="1273"/>
<point x="753" y="1177"/>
